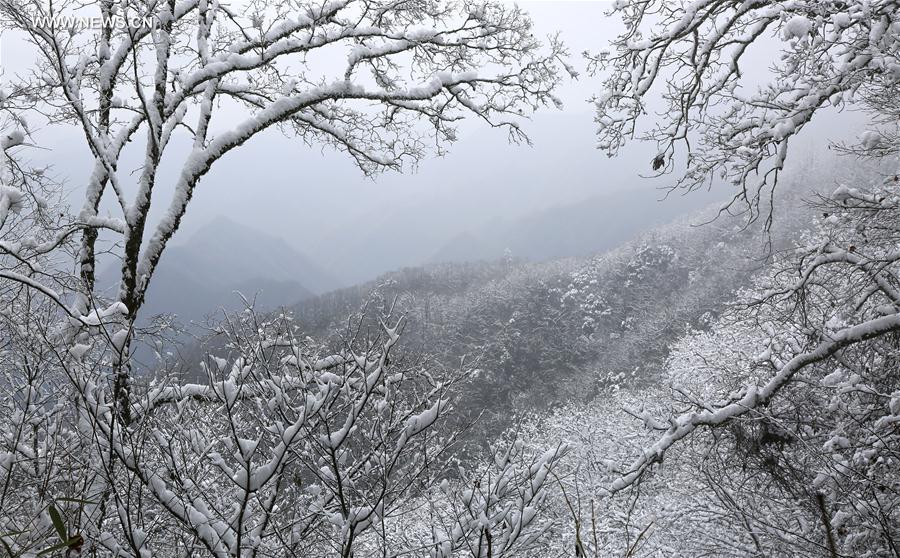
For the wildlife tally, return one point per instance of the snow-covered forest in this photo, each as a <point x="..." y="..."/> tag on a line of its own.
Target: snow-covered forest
<point x="676" y="336"/>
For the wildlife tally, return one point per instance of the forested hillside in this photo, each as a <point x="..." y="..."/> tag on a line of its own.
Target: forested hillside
<point x="725" y="385"/>
<point x="810" y="473"/>
<point x="565" y="330"/>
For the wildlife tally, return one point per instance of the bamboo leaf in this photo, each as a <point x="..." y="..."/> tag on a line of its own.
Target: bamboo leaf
<point x="57" y="523"/>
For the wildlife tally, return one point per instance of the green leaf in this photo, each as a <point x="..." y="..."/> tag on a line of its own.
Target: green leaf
<point x="58" y="523"/>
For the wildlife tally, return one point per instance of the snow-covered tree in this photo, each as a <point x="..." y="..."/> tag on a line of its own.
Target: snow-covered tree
<point x="720" y="123"/>
<point x="280" y="451"/>
<point x="794" y="393"/>
<point x="798" y="427"/>
<point x="288" y="447"/>
<point x="35" y="231"/>
<point x="385" y="82"/>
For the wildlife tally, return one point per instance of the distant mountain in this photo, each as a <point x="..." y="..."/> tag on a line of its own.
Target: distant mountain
<point x="384" y="240"/>
<point x="205" y="273"/>
<point x="590" y="226"/>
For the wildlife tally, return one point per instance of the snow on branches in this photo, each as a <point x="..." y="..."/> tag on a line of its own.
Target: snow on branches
<point x="793" y="393"/>
<point x="287" y="447"/>
<point x="384" y="82"/>
<point x="833" y="54"/>
<point x="278" y="449"/>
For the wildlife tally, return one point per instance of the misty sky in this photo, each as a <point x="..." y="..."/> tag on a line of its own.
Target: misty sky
<point x="319" y="202"/>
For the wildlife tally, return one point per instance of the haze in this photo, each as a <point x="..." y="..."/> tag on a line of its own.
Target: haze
<point x="355" y="228"/>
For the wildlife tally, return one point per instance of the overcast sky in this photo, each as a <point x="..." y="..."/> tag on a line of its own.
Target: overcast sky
<point x="320" y="202"/>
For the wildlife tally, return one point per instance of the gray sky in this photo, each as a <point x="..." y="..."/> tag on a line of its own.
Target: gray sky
<point x="321" y="204"/>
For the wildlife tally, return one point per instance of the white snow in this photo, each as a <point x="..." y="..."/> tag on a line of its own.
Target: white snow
<point x="870" y="139"/>
<point x="798" y="27"/>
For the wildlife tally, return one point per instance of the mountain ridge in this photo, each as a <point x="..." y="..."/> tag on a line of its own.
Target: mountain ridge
<point x="206" y="272"/>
